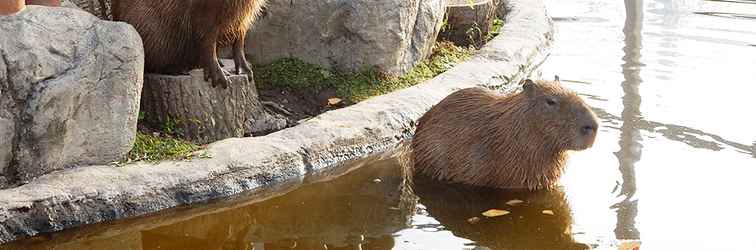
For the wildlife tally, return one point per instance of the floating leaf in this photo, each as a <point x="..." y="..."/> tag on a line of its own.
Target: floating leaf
<point x="473" y="220"/>
<point x="495" y="213"/>
<point x="549" y="212"/>
<point x="514" y="202"/>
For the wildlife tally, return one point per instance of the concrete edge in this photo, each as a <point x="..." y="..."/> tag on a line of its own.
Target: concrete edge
<point x="94" y="194"/>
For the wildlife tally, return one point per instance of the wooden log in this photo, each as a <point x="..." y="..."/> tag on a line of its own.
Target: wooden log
<point x="468" y="22"/>
<point x="188" y="106"/>
<point x="501" y="8"/>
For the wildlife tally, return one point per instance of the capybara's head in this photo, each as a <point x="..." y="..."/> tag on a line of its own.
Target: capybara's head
<point x="559" y="115"/>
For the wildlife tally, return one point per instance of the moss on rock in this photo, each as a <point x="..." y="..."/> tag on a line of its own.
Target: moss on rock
<point x="295" y="74"/>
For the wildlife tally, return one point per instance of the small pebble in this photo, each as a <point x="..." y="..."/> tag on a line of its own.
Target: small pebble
<point x="473" y="220"/>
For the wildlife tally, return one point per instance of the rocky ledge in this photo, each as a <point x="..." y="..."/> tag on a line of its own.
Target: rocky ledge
<point x="82" y="196"/>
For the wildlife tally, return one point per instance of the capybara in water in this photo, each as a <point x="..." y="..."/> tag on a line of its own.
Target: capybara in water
<point x="182" y="35"/>
<point x="478" y="137"/>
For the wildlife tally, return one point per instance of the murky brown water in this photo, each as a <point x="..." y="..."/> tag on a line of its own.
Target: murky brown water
<point x="673" y="82"/>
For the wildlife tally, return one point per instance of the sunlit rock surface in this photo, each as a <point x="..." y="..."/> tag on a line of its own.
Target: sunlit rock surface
<point x="392" y="35"/>
<point x="70" y="89"/>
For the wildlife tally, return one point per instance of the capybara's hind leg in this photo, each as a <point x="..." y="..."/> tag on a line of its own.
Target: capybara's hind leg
<point x="242" y="66"/>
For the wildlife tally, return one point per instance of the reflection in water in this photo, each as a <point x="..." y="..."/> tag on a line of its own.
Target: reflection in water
<point x="630" y="137"/>
<point x="690" y="136"/>
<point x="363" y="209"/>
<point x="726" y="15"/>
<point x="360" y="210"/>
<point x="527" y="227"/>
<point x="735" y="1"/>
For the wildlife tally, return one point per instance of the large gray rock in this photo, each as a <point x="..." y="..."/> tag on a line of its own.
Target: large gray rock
<point x="69" y="91"/>
<point x="348" y="35"/>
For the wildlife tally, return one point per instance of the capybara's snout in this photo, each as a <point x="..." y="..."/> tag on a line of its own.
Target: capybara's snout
<point x="587" y="128"/>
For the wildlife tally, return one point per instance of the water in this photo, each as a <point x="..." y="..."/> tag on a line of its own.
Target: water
<point x="673" y="83"/>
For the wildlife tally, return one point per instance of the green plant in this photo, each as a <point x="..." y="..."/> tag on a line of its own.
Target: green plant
<point x="154" y="148"/>
<point x="355" y="87"/>
<point x="471" y="3"/>
<point x="495" y="29"/>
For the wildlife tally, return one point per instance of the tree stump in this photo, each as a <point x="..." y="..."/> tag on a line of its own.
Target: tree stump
<point x="468" y="22"/>
<point x="501" y="8"/>
<point x="188" y="106"/>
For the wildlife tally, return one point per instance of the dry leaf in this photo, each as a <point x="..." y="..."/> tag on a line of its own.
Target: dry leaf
<point x="495" y="213"/>
<point x="514" y="202"/>
<point x="473" y="220"/>
<point x="549" y="212"/>
<point x="334" y="101"/>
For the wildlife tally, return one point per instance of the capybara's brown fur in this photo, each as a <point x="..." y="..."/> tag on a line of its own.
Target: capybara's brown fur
<point x="478" y="137"/>
<point x="182" y="35"/>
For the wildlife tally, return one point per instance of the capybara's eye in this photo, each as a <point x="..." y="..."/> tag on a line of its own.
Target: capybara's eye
<point x="551" y="102"/>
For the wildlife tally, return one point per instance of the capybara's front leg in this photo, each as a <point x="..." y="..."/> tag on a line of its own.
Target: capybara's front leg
<point x="242" y="66"/>
<point x="209" y="57"/>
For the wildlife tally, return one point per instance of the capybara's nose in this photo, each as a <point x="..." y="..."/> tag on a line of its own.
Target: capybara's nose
<point x="588" y="129"/>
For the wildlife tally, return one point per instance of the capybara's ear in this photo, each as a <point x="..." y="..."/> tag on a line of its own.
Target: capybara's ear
<point x="556" y="79"/>
<point x="528" y="85"/>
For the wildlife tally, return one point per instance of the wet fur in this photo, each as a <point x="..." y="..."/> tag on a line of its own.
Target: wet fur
<point x="183" y="35"/>
<point x="476" y="136"/>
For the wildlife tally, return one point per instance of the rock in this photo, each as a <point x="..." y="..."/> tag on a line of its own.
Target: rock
<point x="392" y="35"/>
<point x="469" y="21"/>
<point x="196" y="111"/>
<point x="70" y="91"/>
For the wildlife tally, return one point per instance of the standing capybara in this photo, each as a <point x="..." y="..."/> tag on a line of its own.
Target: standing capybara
<point x="478" y="137"/>
<point x="182" y="35"/>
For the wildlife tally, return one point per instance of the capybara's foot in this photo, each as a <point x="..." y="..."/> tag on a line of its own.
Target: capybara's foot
<point x="243" y="68"/>
<point x="240" y="60"/>
<point x="216" y="76"/>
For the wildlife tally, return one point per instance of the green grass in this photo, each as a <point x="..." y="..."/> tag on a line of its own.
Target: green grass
<point x="157" y="148"/>
<point x="355" y="87"/>
<point x="495" y="29"/>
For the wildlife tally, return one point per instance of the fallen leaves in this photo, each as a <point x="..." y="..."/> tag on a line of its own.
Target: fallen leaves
<point x="501" y="212"/>
<point x="514" y="202"/>
<point x="495" y="213"/>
